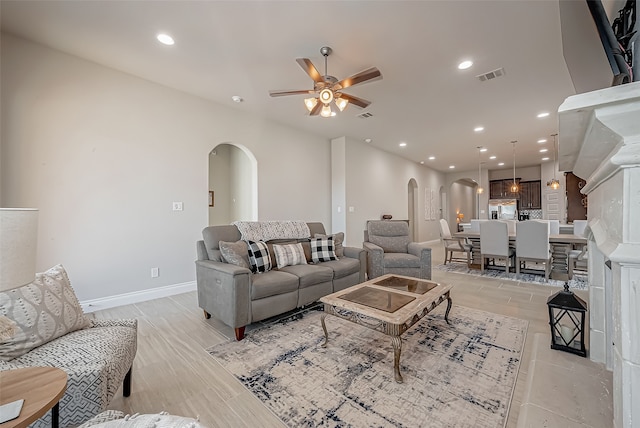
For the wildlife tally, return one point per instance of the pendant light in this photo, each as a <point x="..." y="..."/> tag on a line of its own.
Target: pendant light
<point x="514" y="186"/>
<point x="554" y="183"/>
<point x="480" y="189"/>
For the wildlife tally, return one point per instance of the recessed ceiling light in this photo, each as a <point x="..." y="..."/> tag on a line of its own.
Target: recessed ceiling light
<point x="165" y="39"/>
<point x="483" y="149"/>
<point x="367" y="140"/>
<point x="465" y="64"/>
<point x="237" y="99"/>
<point x="478" y="128"/>
<point x="492" y="157"/>
<point x="543" y="114"/>
<point x="421" y="162"/>
<point x="451" y="166"/>
<point x="501" y="164"/>
<point x="545" y="159"/>
<point x="542" y="140"/>
<point x="403" y="144"/>
<point x="432" y="158"/>
<point x="543" y="150"/>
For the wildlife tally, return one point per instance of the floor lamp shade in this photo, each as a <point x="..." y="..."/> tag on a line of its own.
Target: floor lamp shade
<point x="18" y="245"/>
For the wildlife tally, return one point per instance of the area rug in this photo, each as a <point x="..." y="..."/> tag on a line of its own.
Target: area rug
<point x="576" y="283"/>
<point x="457" y="375"/>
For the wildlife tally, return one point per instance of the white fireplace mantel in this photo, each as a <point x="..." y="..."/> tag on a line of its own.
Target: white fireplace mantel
<point x="599" y="140"/>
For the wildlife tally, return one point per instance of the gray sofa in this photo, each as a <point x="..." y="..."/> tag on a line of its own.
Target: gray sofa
<point x="238" y="297"/>
<point x="390" y="250"/>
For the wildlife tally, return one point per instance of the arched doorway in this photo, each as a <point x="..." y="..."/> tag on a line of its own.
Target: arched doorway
<point x="462" y="202"/>
<point x="233" y="184"/>
<point x="412" y="209"/>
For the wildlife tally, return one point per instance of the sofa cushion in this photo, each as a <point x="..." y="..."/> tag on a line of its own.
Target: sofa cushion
<point x="42" y="311"/>
<point x="322" y="250"/>
<point x="273" y="283"/>
<point x="259" y="257"/>
<point x="289" y="255"/>
<point x="338" y="239"/>
<point x="310" y="274"/>
<point x="236" y="253"/>
<point x="342" y="267"/>
<point x="400" y="260"/>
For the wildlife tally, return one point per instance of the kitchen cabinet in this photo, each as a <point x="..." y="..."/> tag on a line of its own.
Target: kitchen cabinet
<point x="530" y="195"/>
<point x="501" y="189"/>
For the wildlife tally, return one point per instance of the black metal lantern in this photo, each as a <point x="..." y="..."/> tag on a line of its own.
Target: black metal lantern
<point x="566" y="318"/>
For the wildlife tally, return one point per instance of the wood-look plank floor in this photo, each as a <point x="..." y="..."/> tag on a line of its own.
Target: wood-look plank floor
<point x="174" y="373"/>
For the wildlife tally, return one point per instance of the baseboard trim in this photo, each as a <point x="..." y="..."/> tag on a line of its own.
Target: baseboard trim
<point x="136" y="297"/>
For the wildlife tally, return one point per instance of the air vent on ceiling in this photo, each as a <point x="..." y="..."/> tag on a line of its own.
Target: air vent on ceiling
<point x="365" y="115"/>
<point x="491" y="75"/>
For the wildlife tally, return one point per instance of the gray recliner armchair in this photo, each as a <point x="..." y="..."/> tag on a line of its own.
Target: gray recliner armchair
<point x="390" y="250"/>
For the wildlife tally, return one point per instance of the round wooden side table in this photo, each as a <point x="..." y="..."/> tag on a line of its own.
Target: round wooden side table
<point x="41" y="388"/>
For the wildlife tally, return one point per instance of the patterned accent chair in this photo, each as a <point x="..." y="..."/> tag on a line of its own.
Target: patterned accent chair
<point x="97" y="359"/>
<point x="50" y="329"/>
<point x="390" y="250"/>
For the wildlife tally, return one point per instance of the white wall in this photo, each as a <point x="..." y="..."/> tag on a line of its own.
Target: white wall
<point x="529" y="173"/>
<point x="376" y="184"/>
<point x="240" y="167"/>
<point x="104" y="154"/>
<point x="219" y="183"/>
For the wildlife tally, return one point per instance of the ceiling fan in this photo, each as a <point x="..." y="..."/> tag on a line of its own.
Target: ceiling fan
<point x="327" y="88"/>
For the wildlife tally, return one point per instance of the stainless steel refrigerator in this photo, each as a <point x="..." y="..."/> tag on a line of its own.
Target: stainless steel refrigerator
<point x="503" y="209"/>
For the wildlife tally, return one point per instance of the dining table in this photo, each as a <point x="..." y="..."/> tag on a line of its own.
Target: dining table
<point x="561" y="244"/>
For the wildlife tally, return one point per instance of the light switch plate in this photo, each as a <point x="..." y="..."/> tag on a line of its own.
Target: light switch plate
<point x="177" y="206"/>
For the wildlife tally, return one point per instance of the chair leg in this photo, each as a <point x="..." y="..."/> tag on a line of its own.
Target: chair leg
<point x="482" y="260"/>
<point x="517" y="265"/>
<point x="446" y="253"/>
<point x="570" y="265"/>
<point x="126" y="385"/>
<point x="468" y="258"/>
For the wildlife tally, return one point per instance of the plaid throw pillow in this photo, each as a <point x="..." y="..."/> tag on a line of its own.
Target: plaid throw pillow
<point x="259" y="257"/>
<point x="322" y="249"/>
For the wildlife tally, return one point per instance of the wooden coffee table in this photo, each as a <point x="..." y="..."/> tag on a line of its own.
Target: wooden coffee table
<point x="40" y="387"/>
<point x="390" y="304"/>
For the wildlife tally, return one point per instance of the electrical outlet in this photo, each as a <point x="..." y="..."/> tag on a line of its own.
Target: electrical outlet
<point x="177" y="206"/>
<point x="155" y="272"/>
<point x="351" y="209"/>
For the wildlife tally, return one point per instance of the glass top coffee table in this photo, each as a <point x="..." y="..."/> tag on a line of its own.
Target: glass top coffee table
<point x="390" y="304"/>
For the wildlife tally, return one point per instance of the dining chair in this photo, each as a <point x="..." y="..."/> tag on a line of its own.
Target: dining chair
<point x="494" y="243"/>
<point x="579" y="226"/>
<point x="554" y="226"/>
<point x="578" y="259"/>
<point x="532" y="244"/>
<point x="453" y="245"/>
<point x="511" y="224"/>
<point x="475" y="224"/>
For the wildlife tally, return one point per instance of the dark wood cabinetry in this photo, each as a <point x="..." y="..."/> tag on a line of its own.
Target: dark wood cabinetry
<point x="529" y="192"/>
<point x="530" y="195"/>
<point x="501" y="189"/>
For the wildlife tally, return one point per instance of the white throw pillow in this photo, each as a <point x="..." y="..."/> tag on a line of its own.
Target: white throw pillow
<point x="43" y="310"/>
<point x="289" y="255"/>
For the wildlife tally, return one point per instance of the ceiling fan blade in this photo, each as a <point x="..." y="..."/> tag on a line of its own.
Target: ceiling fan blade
<point x="311" y="70"/>
<point x="316" y="110"/>
<point x="292" y="92"/>
<point x="359" y="102"/>
<point x="363" y="76"/>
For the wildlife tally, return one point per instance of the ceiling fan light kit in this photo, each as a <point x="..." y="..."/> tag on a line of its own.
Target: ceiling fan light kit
<point x="327" y="88"/>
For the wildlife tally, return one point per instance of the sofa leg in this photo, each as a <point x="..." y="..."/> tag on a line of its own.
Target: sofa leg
<point x="240" y="333"/>
<point x="126" y="385"/>
<point x="207" y="315"/>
